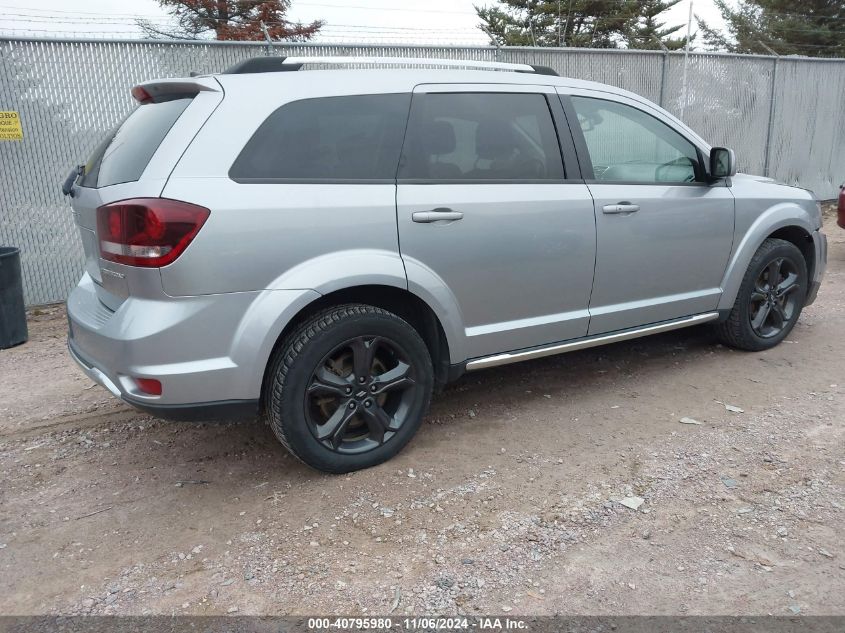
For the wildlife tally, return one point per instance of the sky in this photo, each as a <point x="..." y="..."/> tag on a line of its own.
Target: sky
<point x="371" y="21"/>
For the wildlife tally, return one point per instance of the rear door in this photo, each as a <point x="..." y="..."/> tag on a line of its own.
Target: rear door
<point x="664" y="233"/>
<point x="134" y="160"/>
<point x="488" y="212"/>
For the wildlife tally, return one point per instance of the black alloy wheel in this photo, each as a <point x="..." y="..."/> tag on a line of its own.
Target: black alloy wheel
<point x="770" y="298"/>
<point x="348" y="389"/>
<point x="775" y="298"/>
<point x="360" y="394"/>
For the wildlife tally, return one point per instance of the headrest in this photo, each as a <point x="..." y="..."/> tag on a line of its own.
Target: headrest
<point x="493" y="140"/>
<point x="438" y="137"/>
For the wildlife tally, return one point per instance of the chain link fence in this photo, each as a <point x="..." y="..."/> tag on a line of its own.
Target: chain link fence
<point x="782" y="115"/>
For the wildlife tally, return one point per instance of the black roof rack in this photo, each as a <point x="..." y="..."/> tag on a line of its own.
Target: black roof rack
<point x="544" y="70"/>
<point x="261" y="65"/>
<point x="281" y="64"/>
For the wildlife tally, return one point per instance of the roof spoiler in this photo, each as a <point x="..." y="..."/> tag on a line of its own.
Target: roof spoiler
<point x="285" y="64"/>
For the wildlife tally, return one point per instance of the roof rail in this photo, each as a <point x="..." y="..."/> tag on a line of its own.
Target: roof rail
<point x="281" y="64"/>
<point x="261" y="65"/>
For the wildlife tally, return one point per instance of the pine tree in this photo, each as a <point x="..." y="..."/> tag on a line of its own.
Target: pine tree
<point x="648" y="32"/>
<point x="815" y="28"/>
<point x="579" y="23"/>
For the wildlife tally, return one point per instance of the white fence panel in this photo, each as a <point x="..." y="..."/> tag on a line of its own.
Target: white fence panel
<point x="783" y="116"/>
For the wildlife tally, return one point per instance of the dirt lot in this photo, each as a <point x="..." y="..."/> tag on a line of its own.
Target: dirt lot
<point x="507" y="501"/>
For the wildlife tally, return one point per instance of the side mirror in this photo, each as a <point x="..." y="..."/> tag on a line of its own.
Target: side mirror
<point x="722" y="162"/>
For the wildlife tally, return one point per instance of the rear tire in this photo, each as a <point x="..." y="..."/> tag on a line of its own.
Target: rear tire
<point x="348" y="389"/>
<point x="770" y="298"/>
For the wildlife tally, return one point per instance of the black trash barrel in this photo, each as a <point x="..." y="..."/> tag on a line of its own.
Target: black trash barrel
<point x="12" y="312"/>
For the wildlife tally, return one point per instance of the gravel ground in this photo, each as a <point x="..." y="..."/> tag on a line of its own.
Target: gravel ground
<point x="513" y="498"/>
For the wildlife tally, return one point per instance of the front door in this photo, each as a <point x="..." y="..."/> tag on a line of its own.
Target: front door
<point x="486" y="214"/>
<point x="664" y="234"/>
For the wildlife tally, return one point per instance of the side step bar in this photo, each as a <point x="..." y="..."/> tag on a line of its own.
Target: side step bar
<point x="595" y="341"/>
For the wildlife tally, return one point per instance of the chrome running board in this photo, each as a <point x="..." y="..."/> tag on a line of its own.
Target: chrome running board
<point x="602" y="339"/>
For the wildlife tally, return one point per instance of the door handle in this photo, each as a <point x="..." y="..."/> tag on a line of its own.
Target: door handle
<point x="434" y="215"/>
<point x="622" y="207"/>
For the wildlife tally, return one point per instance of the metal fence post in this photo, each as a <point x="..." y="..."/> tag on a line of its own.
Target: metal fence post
<point x="662" y="69"/>
<point x="268" y="50"/>
<point x="770" y="131"/>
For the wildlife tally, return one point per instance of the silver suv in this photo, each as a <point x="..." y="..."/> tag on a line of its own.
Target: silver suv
<point x="329" y="246"/>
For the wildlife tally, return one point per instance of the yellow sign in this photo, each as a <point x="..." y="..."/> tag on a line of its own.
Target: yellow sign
<point x="10" y="126"/>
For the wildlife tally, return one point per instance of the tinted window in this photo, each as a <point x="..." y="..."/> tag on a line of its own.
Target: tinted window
<point x="124" y="154"/>
<point x="336" y="138"/>
<point x="481" y="136"/>
<point x="628" y="145"/>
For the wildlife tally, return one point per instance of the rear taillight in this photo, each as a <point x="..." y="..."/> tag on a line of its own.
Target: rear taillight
<point x="148" y="232"/>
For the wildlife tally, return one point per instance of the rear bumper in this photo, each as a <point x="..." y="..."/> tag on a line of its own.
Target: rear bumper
<point x="203" y="411"/>
<point x="94" y="373"/>
<point x="209" y="352"/>
<point x="221" y="410"/>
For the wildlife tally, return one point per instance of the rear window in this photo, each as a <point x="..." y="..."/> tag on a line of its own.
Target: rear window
<point x="477" y="137"/>
<point x="124" y="154"/>
<point x="355" y="138"/>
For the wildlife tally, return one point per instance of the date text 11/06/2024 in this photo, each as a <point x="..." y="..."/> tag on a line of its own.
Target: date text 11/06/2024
<point x="417" y="623"/>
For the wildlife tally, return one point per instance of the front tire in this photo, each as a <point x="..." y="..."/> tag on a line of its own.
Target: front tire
<point x="348" y="389"/>
<point x="770" y="298"/>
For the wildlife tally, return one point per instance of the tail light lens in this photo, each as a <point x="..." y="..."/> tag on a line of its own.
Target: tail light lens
<point x="149" y="386"/>
<point x="147" y="232"/>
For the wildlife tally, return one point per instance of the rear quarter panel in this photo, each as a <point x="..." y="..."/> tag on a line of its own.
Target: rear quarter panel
<point x="285" y="236"/>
